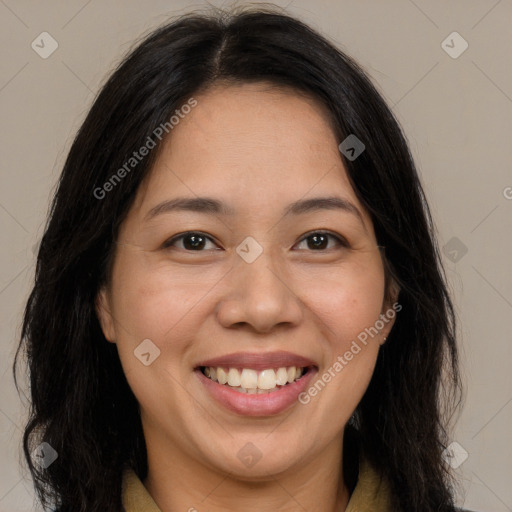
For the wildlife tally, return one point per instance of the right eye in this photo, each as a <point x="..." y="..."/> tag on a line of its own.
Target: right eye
<point x="192" y="241"/>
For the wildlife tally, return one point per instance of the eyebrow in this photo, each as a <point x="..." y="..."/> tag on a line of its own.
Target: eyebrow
<point x="209" y="205"/>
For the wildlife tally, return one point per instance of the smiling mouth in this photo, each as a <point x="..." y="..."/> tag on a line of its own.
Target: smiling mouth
<point x="247" y="380"/>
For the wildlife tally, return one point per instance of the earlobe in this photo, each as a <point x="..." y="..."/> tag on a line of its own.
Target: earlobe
<point x="102" y="306"/>
<point x="389" y="314"/>
<point x="394" y="291"/>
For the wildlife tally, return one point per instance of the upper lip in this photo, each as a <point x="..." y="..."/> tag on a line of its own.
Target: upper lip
<point x="258" y="360"/>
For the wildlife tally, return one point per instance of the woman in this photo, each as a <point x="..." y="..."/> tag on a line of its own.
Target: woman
<point x="239" y="302"/>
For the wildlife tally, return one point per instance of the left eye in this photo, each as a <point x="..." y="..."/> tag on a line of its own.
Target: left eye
<point x="319" y="240"/>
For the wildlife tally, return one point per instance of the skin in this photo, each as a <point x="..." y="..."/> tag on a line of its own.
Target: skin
<point x="257" y="148"/>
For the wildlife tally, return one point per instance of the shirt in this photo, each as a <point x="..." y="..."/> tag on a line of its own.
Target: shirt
<point x="371" y="493"/>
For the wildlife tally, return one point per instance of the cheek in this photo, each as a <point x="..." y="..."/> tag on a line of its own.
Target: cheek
<point x="151" y="300"/>
<point x="348" y="302"/>
<point x="346" y="305"/>
<point x="150" y="305"/>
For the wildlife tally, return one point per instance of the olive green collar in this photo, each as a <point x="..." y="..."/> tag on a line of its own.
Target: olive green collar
<point x="371" y="493"/>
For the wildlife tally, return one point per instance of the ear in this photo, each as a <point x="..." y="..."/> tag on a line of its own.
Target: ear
<point x="391" y="307"/>
<point x="103" y="312"/>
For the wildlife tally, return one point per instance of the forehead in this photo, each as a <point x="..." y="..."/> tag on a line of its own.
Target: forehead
<point x="258" y="144"/>
<point x="262" y="118"/>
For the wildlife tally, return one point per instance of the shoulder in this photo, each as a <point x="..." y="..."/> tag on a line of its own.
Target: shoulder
<point x="135" y="497"/>
<point x="370" y="490"/>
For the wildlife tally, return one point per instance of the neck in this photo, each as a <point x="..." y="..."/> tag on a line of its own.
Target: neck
<point x="178" y="482"/>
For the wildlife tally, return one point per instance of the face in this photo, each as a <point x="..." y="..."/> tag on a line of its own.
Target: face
<point x="270" y="284"/>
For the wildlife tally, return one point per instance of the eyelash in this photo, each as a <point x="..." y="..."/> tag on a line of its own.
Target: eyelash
<point x="340" y="240"/>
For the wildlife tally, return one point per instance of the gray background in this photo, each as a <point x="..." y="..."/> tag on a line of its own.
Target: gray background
<point x="456" y="113"/>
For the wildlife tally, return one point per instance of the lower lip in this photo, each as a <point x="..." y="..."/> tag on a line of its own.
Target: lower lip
<point x="266" y="404"/>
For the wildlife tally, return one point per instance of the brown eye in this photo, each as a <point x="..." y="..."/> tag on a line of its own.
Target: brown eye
<point x="319" y="241"/>
<point x="190" y="241"/>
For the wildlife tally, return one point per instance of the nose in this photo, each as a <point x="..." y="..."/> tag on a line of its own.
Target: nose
<point x="259" y="295"/>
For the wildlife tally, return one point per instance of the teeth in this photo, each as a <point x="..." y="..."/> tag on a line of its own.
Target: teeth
<point x="249" y="379"/>
<point x="282" y="376"/>
<point x="222" y="376"/>
<point x="253" y="382"/>
<point x="267" y="379"/>
<point x="234" y="379"/>
<point x="255" y="391"/>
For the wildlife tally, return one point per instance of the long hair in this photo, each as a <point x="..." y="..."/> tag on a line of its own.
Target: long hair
<point x="81" y="403"/>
